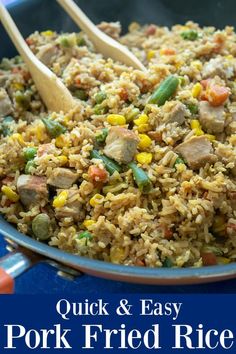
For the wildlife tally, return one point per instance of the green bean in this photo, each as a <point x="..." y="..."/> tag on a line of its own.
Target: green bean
<point x="110" y="165"/>
<point x="190" y="35"/>
<point x="41" y="226"/>
<point x="141" y="178"/>
<point x="100" y="96"/>
<point x="30" y="164"/>
<point x="101" y="137"/>
<point x="166" y="89"/>
<point x="81" y="94"/>
<point x="53" y="127"/>
<point x="29" y="153"/>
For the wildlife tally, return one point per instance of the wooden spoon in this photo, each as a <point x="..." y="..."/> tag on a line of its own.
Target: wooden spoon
<point x="102" y="42"/>
<point x="53" y="92"/>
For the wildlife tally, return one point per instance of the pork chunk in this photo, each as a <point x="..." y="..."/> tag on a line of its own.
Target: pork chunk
<point x="197" y="151"/>
<point x="121" y="144"/>
<point x="211" y="118"/>
<point x="32" y="189"/>
<point x="73" y="206"/>
<point x="218" y="67"/>
<point x="5" y="103"/>
<point x="174" y="112"/>
<point x="46" y="53"/>
<point x="62" y="177"/>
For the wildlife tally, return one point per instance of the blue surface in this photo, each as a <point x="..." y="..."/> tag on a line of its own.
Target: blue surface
<point x="44" y="279"/>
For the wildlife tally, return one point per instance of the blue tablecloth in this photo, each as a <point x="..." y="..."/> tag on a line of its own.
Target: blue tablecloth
<point x="43" y="279"/>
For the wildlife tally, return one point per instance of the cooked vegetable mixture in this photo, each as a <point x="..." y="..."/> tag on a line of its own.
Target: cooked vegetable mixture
<point x="142" y="172"/>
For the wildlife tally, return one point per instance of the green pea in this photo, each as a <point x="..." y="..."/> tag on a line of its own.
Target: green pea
<point x="98" y="109"/>
<point x="193" y="108"/>
<point x="190" y="35"/>
<point x="29" y="153"/>
<point x="81" y="94"/>
<point x="80" y="41"/>
<point x="167" y="263"/>
<point x="132" y="115"/>
<point x="64" y="42"/>
<point x="41" y="226"/>
<point x="22" y="99"/>
<point x="85" y="234"/>
<point x="101" y="137"/>
<point x="18" y="60"/>
<point x="178" y="161"/>
<point x="5" y="64"/>
<point x="30" y="164"/>
<point x="53" y="127"/>
<point x="100" y="96"/>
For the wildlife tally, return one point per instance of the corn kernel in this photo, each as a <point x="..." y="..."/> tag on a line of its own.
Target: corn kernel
<point x="117" y="255"/>
<point x="142" y="119"/>
<point x="145" y="141"/>
<point x="223" y="260"/>
<point x="10" y="194"/>
<point x="60" y="200"/>
<point x="18" y="137"/>
<point x="47" y="33"/>
<point x="62" y="159"/>
<point x="195" y="124"/>
<point x="17" y="86"/>
<point x="96" y="199"/>
<point x="116" y="119"/>
<point x="61" y="141"/>
<point x="199" y="132"/>
<point x="196" y="90"/>
<point x="87" y="223"/>
<point x="229" y="57"/>
<point x="143" y="128"/>
<point x="151" y="54"/>
<point x="180" y="167"/>
<point x="144" y="158"/>
<point x="210" y="137"/>
<point x="196" y="64"/>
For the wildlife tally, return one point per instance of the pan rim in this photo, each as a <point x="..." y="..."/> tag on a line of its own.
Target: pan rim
<point x="201" y="274"/>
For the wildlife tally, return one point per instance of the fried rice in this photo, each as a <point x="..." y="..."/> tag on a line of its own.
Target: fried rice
<point x="56" y="185"/>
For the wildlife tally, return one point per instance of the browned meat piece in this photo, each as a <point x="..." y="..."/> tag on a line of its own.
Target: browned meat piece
<point x="46" y="53"/>
<point x="218" y="67"/>
<point x="174" y="112"/>
<point x="73" y="206"/>
<point x="32" y="189"/>
<point x="121" y="144"/>
<point x="112" y="29"/>
<point x="197" y="151"/>
<point x="5" y="103"/>
<point x="211" y="118"/>
<point x="62" y="177"/>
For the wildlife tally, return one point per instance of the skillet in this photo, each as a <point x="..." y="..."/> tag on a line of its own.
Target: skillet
<point x="46" y="14"/>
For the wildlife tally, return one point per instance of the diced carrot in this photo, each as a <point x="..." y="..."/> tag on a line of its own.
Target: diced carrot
<point x="97" y="174"/>
<point x="77" y="80"/>
<point x="123" y="94"/>
<point x="168" y="233"/>
<point x="151" y="29"/>
<point x="217" y="95"/>
<point x="168" y="51"/>
<point x="140" y="263"/>
<point x="205" y="83"/>
<point x="25" y="74"/>
<point x="208" y="258"/>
